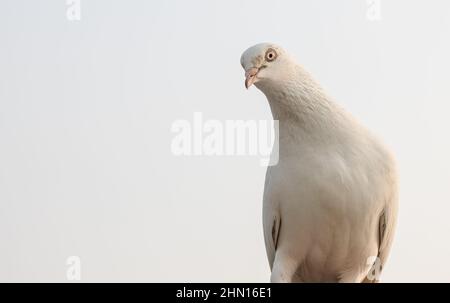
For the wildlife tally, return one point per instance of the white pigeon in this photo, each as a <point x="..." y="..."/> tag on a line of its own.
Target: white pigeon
<point x="330" y="204"/>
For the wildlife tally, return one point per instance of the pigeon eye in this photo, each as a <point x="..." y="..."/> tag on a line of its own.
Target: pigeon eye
<point x="271" y="55"/>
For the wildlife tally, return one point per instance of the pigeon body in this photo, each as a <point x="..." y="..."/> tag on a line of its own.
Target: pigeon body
<point x="330" y="204"/>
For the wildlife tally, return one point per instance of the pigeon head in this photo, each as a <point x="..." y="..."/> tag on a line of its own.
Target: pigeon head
<point x="265" y="64"/>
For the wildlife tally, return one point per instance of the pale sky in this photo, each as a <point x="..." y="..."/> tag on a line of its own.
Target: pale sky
<point x="86" y="109"/>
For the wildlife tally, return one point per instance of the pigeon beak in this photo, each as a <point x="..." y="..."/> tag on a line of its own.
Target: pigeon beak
<point x="250" y="76"/>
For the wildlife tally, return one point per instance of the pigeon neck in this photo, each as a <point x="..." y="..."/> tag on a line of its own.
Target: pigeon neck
<point x="304" y="111"/>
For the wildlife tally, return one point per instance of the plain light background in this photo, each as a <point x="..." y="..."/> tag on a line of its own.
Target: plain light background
<point x="86" y="109"/>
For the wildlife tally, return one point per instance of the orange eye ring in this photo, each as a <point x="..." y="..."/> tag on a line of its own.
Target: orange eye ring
<point x="271" y="55"/>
